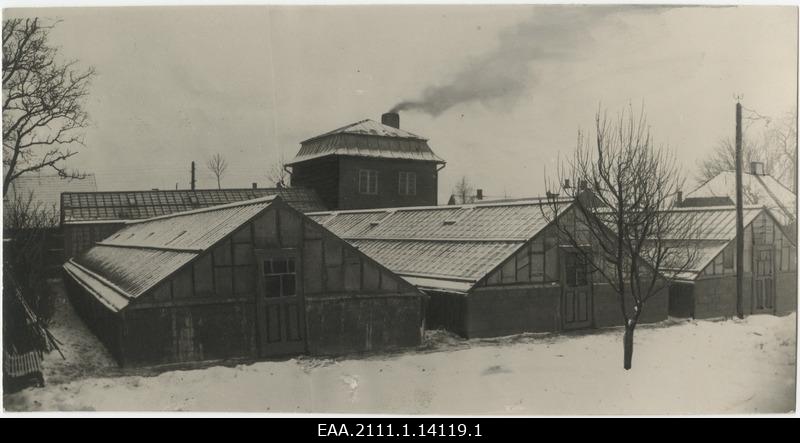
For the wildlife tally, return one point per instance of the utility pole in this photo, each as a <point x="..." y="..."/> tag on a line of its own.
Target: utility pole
<point x="739" y="216"/>
<point x="193" y="176"/>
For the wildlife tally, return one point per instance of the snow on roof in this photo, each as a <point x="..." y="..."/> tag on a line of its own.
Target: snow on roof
<point x="144" y="253"/>
<point x="369" y="127"/>
<point x="449" y="247"/>
<point x="762" y="190"/>
<point x="707" y="223"/>
<point x="84" y="207"/>
<point x="367" y="138"/>
<point x="709" y="230"/>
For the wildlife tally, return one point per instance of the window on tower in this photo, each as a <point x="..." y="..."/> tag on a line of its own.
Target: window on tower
<point x="367" y="181"/>
<point x="408" y="183"/>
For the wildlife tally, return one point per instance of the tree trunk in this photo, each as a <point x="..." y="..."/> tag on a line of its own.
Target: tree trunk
<point x="219" y="185"/>
<point x="628" y="344"/>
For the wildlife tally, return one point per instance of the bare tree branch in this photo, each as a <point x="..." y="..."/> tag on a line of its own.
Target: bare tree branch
<point x="615" y="213"/>
<point x="43" y="112"/>
<point x="217" y="165"/>
<point x="464" y="192"/>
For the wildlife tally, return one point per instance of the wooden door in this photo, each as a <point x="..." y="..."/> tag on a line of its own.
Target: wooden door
<point x="281" y="311"/>
<point x="763" y="280"/>
<point x="576" y="287"/>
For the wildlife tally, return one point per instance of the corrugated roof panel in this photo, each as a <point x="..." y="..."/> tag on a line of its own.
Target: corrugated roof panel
<point x="716" y="223"/>
<point x="107" y="295"/>
<point x="514" y="221"/>
<point x="438" y="259"/>
<point x="195" y="230"/>
<point x="79" y="207"/>
<point x="133" y="270"/>
<point x="367" y="138"/>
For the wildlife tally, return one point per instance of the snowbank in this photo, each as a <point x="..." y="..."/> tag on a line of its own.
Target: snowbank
<point x="692" y="367"/>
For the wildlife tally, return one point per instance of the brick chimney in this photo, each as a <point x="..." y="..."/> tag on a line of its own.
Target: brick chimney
<point x="479" y="195"/>
<point x="391" y="119"/>
<point x="757" y="168"/>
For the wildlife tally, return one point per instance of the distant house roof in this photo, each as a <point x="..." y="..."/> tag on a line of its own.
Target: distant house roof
<point x="763" y="190"/>
<point x="46" y="189"/>
<point x="81" y="207"/>
<point x="441" y="247"/>
<point x="709" y="230"/>
<point x="144" y="253"/>
<point x="367" y="138"/>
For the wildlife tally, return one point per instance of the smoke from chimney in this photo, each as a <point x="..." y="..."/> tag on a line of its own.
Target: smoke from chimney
<point x="501" y="76"/>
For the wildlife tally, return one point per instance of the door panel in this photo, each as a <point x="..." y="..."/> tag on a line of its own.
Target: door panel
<point x="763" y="280"/>
<point x="280" y="304"/>
<point x="576" y="291"/>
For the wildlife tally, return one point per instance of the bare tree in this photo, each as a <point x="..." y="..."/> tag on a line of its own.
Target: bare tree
<point x="43" y="100"/>
<point x="723" y="158"/>
<point x="217" y="165"/>
<point x="27" y="224"/>
<point x="463" y="192"/>
<point x="768" y="140"/>
<point x="781" y="136"/>
<point x="276" y="173"/>
<point x="619" y="225"/>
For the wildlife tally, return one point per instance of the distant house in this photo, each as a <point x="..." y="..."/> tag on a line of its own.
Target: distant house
<point x="88" y="217"/>
<point x="252" y="279"/>
<point x="368" y="165"/>
<point x="757" y="189"/>
<point x="708" y="289"/>
<point x="45" y="191"/>
<point x="489" y="269"/>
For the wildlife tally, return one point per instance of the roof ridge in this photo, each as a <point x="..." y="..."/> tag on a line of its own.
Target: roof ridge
<point x="182" y="190"/>
<point x="255" y="201"/>
<point x="526" y="202"/>
<point x="343" y="129"/>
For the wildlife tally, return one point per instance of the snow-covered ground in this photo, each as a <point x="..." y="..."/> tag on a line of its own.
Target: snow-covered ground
<point x="685" y="367"/>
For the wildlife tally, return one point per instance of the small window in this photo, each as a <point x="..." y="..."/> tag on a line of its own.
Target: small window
<point x="367" y="181"/>
<point x="407" y="183"/>
<point x="727" y="257"/>
<point x="576" y="269"/>
<point x="280" y="278"/>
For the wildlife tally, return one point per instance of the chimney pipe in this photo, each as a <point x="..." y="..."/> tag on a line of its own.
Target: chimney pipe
<point x="757" y="168"/>
<point x="391" y="119"/>
<point x="479" y="195"/>
<point x="680" y="198"/>
<point x="255" y="185"/>
<point x="566" y="183"/>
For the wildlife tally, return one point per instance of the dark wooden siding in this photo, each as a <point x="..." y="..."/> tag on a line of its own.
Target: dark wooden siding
<point x="498" y="311"/>
<point x="352" y="303"/>
<point x="104" y="323"/>
<point x="388" y="195"/>
<point x="321" y="175"/>
<point x="607" y="310"/>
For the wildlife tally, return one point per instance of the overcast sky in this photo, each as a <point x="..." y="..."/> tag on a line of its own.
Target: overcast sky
<point x="499" y="91"/>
